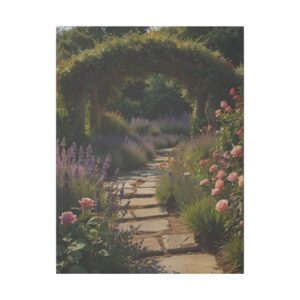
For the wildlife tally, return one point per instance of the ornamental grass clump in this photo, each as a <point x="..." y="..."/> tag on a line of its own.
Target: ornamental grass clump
<point x="207" y="223"/>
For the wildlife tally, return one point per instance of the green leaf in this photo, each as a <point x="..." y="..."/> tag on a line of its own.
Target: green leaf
<point x="76" y="247"/>
<point x="77" y="269"/>
<point x="94" y="220"/>
<point x="60" y="250"/>
<point x="103" y="252"/>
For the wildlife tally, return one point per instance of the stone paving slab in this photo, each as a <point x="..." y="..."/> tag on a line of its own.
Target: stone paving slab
<point x="200" y="263"/>
<point x="179" y="242"/>
<point x="143" y="192"/>
<point x="164" y="151"/>
<point x="128" y="192"/>
<point x="139" y="202"/>
<point x="149" y="212"/>
<point x="146" y="226"/>
<point x="159" y="159"/>
<point x="148" y="184"/>
<point x="152" y="179"/>
<point x="127" y="216"/>
<point x="151" y="246"/>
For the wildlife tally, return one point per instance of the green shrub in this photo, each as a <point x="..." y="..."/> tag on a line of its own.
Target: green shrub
<point x="92" y="243"/>
<point x="153" y="130"/>
<point x="208" y="225"/>
<point x="194" y="150"/>
<point x="165" y="191"/>
<point x="232" y="255"/>
<point x="113" y="124"/>
<point x="133" y="156"/>
<point x="175" y="190"/>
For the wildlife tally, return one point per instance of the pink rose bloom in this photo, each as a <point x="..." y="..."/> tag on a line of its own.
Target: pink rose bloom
<point x="213" y="169"/>
<point x="222" y="206"/>
<point x="224" y="104"/>
<point x="228" y="108"/>
<point x="231" y="91"/>
<point x="226" y="155"/>
<point x="239" y="132"/>
<point x="219" y="184"/>
<point x="221" y="174"/>
<point x="218" y="113"/>
<point x="202" y="162"/>
<point x="204" y="181"/>
<point x="237" y="98"/>
<point x="238" y="110"/>
<point x="67" y="218"/>
<point x="232" y="176"/>
<point x="237" y="151"/>
<point x="216" y="154"/>
<point x="241" y="223"/>
<point x="86" y="203"/>
<point x="241" y="181"/>
<point x="215" y="192"/>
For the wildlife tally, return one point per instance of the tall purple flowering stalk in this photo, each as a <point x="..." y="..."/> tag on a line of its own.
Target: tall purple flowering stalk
<point x="79" y="175"/>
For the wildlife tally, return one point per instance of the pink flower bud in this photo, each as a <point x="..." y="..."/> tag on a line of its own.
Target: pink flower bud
<point x="241" y="181"/>
<point x="204" y="182"/>
<point x="216" y="154"/>
<point x="215" y="192"/>
<point x="202" y="162"/>
<point x="237" y="98"/>
<point x="218" y="113"/>
<point x="223" y="104"/>
<point x="231" y="91"/>
<point x="228" y="109"/>
<point x="213" y="169"/>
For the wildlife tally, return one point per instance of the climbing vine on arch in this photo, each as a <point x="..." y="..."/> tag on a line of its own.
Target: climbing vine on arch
<point x="94" y="74"/>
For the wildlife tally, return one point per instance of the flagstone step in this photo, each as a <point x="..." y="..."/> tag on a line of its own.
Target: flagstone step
<point x="146" y="226"/>
<point x="197" y="263"/>
<point x="144" y="192"/>
<point x="151" y="246"/>
<point x="148" y="184"/>
<point x="175" y="243"/>
<point x="139" y="202"/>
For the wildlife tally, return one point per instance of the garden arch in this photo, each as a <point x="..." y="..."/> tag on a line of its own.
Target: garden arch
<point x="95" y="73"/>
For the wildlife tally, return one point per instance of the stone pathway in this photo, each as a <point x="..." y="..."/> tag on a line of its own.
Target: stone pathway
<point x="165" y="240"/>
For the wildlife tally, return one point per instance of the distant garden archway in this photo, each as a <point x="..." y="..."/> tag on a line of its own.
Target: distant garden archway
<point x="95" y="73"/>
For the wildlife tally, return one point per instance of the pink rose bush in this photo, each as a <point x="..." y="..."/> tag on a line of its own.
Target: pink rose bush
<point x="224" y="179"/>
<point x="67" y="218"/>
